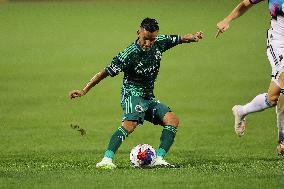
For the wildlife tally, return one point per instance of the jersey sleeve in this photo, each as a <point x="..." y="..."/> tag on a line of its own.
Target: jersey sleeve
<point x="255" y="1"/>
<point x="119" y="62"/>
<point x="115" y="67"/>
<point x="168" y="41"/>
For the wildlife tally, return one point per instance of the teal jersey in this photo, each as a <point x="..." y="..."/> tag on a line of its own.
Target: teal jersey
<point x="140" y="67"/>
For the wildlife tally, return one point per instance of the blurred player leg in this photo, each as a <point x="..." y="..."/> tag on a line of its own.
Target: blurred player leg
<point x="280" y="117"/>
<point x="280" y="124"/>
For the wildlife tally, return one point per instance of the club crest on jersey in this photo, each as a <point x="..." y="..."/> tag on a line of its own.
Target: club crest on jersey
<point x="158" y="55"/>
<point x="138" y="108"/>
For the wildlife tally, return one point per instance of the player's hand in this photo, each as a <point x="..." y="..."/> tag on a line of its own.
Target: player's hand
<point x="76" y="93"/>
<point x="222" y="27"/>
<point x="198" y="36"/>
<point x="192" y="37"/>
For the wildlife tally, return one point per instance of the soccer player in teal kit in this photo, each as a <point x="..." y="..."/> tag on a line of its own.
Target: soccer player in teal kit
<point x="140" y="63"/>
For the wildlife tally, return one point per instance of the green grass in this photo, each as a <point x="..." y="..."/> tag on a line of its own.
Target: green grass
<point x="48" y="48"/>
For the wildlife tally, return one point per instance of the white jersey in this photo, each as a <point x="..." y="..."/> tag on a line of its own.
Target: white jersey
<point x="276" y="10"/>
<point x="275" y="37"/>
<point x="275" y="47"/>
<point x="278" y="25"/>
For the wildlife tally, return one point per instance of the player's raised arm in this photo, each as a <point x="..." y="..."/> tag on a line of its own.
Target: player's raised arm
<point x="95" y="80"/>
<point x="192" y="37"/>
<point x="239" y="10"/>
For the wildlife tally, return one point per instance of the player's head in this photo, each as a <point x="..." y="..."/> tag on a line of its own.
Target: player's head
<point x="147" y="33"/>
<point x="150" y="25"/>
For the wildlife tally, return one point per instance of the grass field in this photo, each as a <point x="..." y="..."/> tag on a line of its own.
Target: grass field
<point x="48" y="48"/>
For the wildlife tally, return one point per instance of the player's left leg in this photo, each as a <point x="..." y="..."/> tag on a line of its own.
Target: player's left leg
<point x="170" y="124"/>
<point x="162" y="115"/>
<point x="133" y="114"/>
<point x="115" y="142"/>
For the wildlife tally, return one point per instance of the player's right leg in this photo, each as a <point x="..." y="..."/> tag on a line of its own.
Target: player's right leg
<point x="280" y="117"/>
<point x="133" y="114"/>
<point x="115" y="141"/>
<point x="280" y="124"/>
<point x="259" y="103"/>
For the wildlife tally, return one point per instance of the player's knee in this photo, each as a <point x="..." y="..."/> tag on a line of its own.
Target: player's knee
<point x="273" y="99"/>
<point x="175" y="121"/>
<point x="130" y="126"/>
<point x="171" y="119"/>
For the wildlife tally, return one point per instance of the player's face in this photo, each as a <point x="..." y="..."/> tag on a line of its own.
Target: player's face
<point x="146" y="39"/>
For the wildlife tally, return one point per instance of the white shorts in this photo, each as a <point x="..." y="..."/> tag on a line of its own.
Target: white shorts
<point x="275" y="53"/>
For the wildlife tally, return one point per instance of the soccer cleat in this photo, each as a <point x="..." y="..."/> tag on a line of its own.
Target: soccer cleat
<point x="280" y="148"/>
<point x="160" y="162"/>
<point x="106" y="163"/>
<point x="240" y="121"/>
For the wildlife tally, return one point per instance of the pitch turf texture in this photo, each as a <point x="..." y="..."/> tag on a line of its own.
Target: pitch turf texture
<point x="50" y="48"/>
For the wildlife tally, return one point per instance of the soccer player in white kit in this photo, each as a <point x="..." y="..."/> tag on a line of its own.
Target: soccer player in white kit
<point x="275" y="53"/>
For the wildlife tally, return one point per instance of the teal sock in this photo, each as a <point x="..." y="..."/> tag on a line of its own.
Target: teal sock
<point x="161" y="152"/>
<point x="167" y="139"/>
<point x="115" y="141"/>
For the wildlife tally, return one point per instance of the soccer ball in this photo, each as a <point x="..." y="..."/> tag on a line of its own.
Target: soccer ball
<point x="142" y="155"/>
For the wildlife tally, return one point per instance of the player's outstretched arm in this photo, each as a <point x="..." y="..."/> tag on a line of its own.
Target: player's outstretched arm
<point x="95" y="80"/>
<point x="192" y="37"/>
<point x="239" y="10"/>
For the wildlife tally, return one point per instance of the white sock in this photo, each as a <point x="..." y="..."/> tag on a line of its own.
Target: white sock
<point x="259" y="103"/>
<point x="280" y="118"/>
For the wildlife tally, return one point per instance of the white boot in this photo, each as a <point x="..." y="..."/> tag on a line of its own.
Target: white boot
<point x="240" y="121"/>
<point x="160" y="162"/>
<point x="106" y="163"/>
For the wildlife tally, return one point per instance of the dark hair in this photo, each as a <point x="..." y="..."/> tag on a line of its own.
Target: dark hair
<point x="150" y="24"/>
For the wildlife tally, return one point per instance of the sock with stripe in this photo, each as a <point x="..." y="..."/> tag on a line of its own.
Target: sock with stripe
<point x="259" y="103"/>
<point x="115" y="141"/>
<point x="167" y="139"/>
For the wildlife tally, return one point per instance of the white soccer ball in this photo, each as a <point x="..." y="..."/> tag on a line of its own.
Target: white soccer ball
<point x="142" y="155"/>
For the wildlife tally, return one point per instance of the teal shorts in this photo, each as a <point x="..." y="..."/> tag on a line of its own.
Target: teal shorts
<point x="138" y="109"/>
